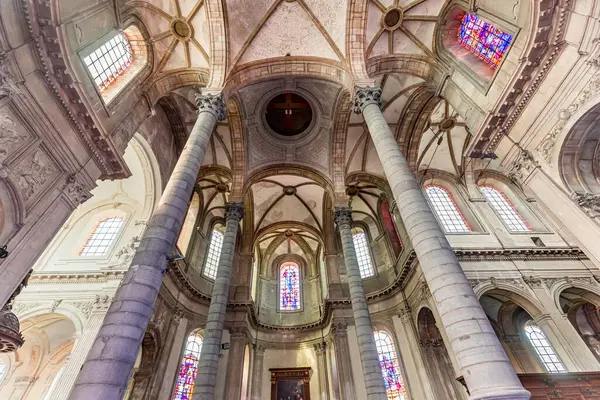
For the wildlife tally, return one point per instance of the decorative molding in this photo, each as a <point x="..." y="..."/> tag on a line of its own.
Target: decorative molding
<point x="537" y="253"/>
<point x="102" y="303"/>
<point x="76" y="191"/>
<point x="7" y="86"/>
<point x="85" y="307"/>
<point x="234" y="211"/>
<point x="546" y="146"/>
<point x="366" y="96"/>
<point x="550" y="282"/>
<point x="498" y="281"/>
<point x="32" y="174"/>
<point x="343" y="216"/>
<point x="588" y="202"/>
<point x="9" y="136"/>
<point x="533" y="282"/>
<point x="320" y="348"/>
<point x="521" y="168"/>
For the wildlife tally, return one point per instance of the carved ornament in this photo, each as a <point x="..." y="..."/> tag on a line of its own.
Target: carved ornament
<point x="366" y="96"/>
<point x="212" y="103"/>
<point x="234" y="211"/>
<point x="520" y="169"/>
<point x="588" y="202"/>
<point x="343" y="216"/>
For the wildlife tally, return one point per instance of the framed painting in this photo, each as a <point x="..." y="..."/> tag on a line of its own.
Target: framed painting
<point x="290" y="383"/>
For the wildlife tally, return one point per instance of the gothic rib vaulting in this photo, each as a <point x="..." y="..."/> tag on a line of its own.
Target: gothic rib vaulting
<point x="299" y="199"/>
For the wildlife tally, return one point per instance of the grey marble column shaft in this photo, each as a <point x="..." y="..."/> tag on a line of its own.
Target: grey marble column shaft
<point x="109" y="363"/>
<point x="369" y="359"/>
<point x="484" y="365"/>
<point x="257" y="372"/>
<point x="211" y="347"/>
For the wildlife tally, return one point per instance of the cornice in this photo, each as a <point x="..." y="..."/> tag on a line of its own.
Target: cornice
<point x="101" y="277"/>
<point x="528" y="254"/>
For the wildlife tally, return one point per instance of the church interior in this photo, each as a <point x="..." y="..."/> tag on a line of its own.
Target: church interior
<point x="299" y="199"/>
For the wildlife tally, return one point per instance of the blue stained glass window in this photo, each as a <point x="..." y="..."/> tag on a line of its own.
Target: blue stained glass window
<point x="184" y="387"/>
<point x="390" y="368"/>
<point x="289" y="283"/>
<point x="483" y="39"/>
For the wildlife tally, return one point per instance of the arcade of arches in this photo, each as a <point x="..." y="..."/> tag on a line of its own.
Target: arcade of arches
<point x="299" y="199"/>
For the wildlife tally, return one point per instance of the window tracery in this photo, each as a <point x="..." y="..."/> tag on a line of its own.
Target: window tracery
<point x="445" y="208"/>
<point x="363" y="255"/>
<point x="109" y="61"/>
<point x="390" y="366"/>
<point x="102" y="237"/>
<point x="543" y="348"/>
<point x="289" y="287"/>
<point x="505" y="209"/>
<point x="184" y="387"/>
<point x="483" y="39"/>
<point x="214" y="252"/>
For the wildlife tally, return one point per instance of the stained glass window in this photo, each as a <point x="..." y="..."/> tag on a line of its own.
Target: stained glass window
<point x="289" y="287"/>
<point x="102" y="237"/>
<point x="184" y="387"/>
<point x="448" y="213"/>
<point x="390" y="367"/>
<point x="483" y="39"/>
<point x="505" y="209"/>
<point x="543" y="348"/>
<point x="109" y="61"/>
<point x="214" y="252"/>
<point x="365" y="265"/>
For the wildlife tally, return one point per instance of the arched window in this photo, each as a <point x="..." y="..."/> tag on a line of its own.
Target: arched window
<point x="184" y="387"/>
<point x="102" y="237"/>
<point x="390" y="227"/>
<point x="445" y="208"/>
<point x="214" y="252"/>
<point x="505" y="209"/>
<point x="484" y="40"/>
<point x="390" y="367"/>
<point x="289" y="287"/>
<point x="109" y="61"/>
<point x="363" y="255"/>
<point x="187" y="229"/>
<point x="543" y="348"/>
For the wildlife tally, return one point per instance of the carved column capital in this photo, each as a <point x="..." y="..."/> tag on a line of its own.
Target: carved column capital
<point x="259" y="349"/>
<point x="238" y="333"/>
<point x="365" y="96"/>
<point x="76" y="191"/>
<point x="320" y="348"/>
<point x="212" y="103"/>
<point x="342" y="216"/>
<point x="339" y="328"/>
<point x="234" y="211"/>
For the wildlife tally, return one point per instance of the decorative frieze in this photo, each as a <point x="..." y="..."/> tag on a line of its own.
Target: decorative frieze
<point x="550" y="282"/>
<point x="7" y="86"/>
<point x="32" y="173"/>
<point x="9" y="135"/>
<point x="533" y="282"/>
<point x="516" y="282"/>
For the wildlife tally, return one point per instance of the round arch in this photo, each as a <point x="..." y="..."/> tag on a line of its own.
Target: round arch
<point x="512" y="293"/>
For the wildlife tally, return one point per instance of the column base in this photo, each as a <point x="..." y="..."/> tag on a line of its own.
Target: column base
<point x="502" y="394"/>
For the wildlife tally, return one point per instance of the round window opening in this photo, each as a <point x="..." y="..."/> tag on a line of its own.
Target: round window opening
<point x="289" y="114"/>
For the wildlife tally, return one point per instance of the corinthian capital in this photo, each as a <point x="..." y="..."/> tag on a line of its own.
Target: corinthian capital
<point x="212" y="103"/>
<point x="234" y="211"/>
<point x="365" y="96"/>
<point x="342" y="216"/>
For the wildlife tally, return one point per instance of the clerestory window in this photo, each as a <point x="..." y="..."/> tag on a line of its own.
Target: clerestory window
<point x="289" y="287"/>
<point x="505" y="210"/>
<point x="214" y="252"/>
<point x="102" y="237"/>
<point x="543" y="348"/>
<point x="390" y="366"/>
<point x="446" y="210"/>
<point x="108" y="62"/>
<point x="363" y="254"/>
<point x="484" y="40"/>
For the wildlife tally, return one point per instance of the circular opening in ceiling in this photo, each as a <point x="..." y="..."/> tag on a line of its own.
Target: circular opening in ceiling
<point x="392" y="19"/>
<point x="289" y="114"/>
<point x="181" y="29"/>
<point x="447" y="124"/>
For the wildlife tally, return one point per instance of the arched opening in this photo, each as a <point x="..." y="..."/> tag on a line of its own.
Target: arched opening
<point x="187" y="230"/>
<point x="437" y="361"/>
<point x="390" y="366"/>
<point x="448" y="213"/>
<point x="582" y="311"/>
<point x="188" y="368"/>
<point x="211" y="263"/>
<point x="363" y="252"/>
<point x="290" y="296"/>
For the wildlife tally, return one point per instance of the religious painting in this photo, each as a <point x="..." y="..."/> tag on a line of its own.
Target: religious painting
<point x="290" y="383"/>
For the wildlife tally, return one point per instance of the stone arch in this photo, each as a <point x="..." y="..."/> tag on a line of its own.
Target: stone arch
<point x="512" y="293"/>
<point x="142" y="378"/>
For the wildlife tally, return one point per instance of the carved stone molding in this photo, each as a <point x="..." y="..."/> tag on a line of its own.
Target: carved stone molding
<point x="238" y="333"/>
<point x="76" y="191"/>
<point x="550" y="282"/>
<point x="339" y="328"/>
<point x="259" y="349"/>
<point x="588" y="202"/>
<point x="366" y="96"/>
<point x="497" y="281"/>
<point x="7" y="86"/>
<point x="85" y="307"/>
<point x="102" y="303"/>
<point x="405" y="315"/>
<point x="533" y="282"/>
<point x="546" y="146"/>
<point x="521" y="168"/>
<point x="320" y="348"/>
<point x="212" y="103"/>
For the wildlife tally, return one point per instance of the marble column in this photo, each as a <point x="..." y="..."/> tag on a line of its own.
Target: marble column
<point x="369" y="359"/>
<point x="321" y="350"/>
<point x="206" y="379"/>
<point x="80" y="349"/>
<point x="110" y="361"/>
<point x="483" y="363"/>
<point x="343" y="362"/>
<point x="238" y="338"/>
<point x="257" y="372"/>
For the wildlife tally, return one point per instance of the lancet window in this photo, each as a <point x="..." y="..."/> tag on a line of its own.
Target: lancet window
<point x="214" y="252"/>
<point x="102" y="237"/>
<point x="109" y="61"/>
<point x="363" y="254"/>
<point x="445" y="208"/>
<point x="543" y="349"/>
<point x="390" y="366"/>
<point x="505" y="209"/>
<point x="184" y="387"/>
<point x="484" y="40"/>
<point x="289" y="287"/>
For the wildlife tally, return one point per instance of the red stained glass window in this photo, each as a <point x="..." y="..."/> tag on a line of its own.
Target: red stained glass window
<point x="483" y="39"/>
<point x="188" y="368"/>
<point x="289" y="283"/>
<point x="390" y="367"/>
<point x="109" y="61"/>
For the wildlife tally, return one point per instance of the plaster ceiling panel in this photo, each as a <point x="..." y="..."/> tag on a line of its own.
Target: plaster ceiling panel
<point x="244" y="17"/>
<point x="295" y="249"/>
<point x="312" y="243"/>
<point x="423" y="30"/>
<point x="354" y="146"/>
<point x="222" y="158"/>
<point x="437" y="155"/>
<point x="176" y="59"/>
<point x="186" y="6"/>
<point x="154" y="20"/>
<point x="225" y="135"/>
<point x="373" y="21"/>
<point x="388" y="3"/>
<point x="289" y="208"/>
<point x="381" y="46"/>
<point x="429" y="7"/>
<point x="332" y="16"/>
<point x="264" y="195"/>
<point x="312" y="195"/>
<point x="355" y="118"/>
<point x="201" y="26"/>
<point x="402" y="44"/>
<point x="289" y="30"/>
